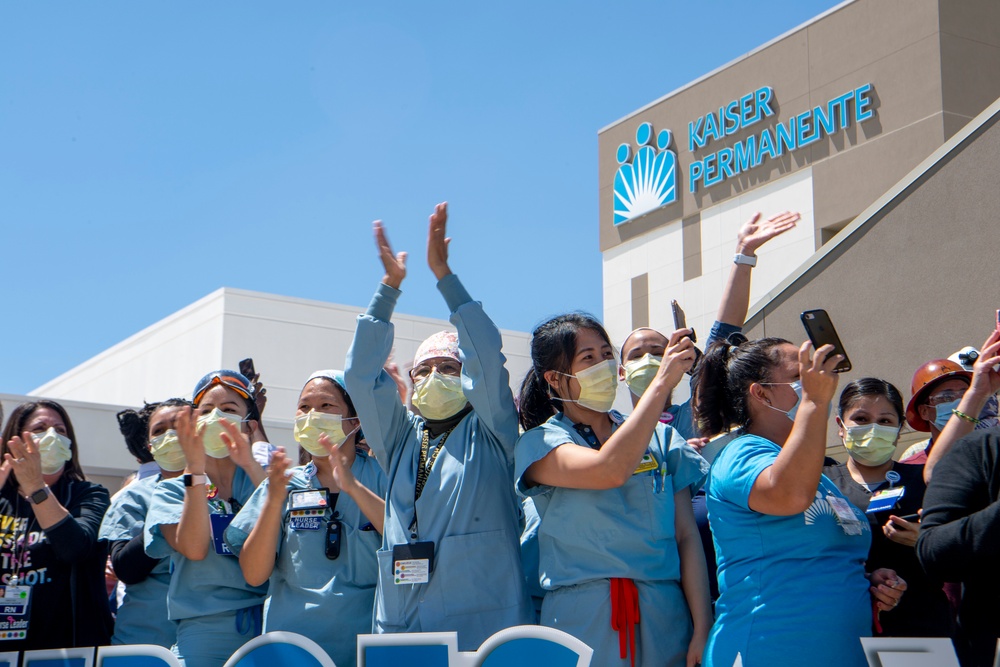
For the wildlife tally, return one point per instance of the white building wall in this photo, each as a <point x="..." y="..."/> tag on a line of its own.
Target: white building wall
<point x="288" y="339"/>
<point x="660" y="255"/>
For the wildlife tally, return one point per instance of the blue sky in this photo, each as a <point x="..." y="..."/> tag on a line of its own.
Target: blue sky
<point x="151" y="153"/>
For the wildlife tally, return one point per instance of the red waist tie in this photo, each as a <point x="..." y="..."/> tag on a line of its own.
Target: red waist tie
<point x="625" y="615"/>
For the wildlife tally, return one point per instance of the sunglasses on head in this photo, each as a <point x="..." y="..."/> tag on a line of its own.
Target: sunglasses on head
<point x="235" y="381"/>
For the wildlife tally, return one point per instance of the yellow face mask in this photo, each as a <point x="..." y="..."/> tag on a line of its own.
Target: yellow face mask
<point x="211" y="436"/>
<point x="439" y="396"/>
<point x="639" y="373"/>
<point x="54" y="449"/>
<point x="167" y="452"/>
<point x="310" y="426"/>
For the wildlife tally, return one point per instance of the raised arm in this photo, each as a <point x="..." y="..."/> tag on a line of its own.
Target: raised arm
<point x="191" y="535"/>
<point x="258" y="552"/>
<point x="752" y="235"/>
<point x="485" y="380"/>
<point x="985" y="383"/>
<point x="788" y="486"/>
<point x="373" y="391"/>
<point x="613" y="464"/>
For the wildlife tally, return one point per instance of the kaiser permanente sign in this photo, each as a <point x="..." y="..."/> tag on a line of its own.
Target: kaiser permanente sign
<point x="750" y="110"/>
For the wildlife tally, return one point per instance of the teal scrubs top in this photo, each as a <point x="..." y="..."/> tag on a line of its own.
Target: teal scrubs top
<point x="586" y="537"/>
<point x="468" y="507"/>
<point x="329" y="601"/>
<point x="142" y="615"/>
<point x="199" y="587"/>
<point x="792" y="589"/>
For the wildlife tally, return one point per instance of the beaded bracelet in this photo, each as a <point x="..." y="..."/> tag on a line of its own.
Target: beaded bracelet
<point x="962" y="415"/>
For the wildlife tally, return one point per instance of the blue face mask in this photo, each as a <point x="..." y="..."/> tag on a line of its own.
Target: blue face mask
<point x="943" y="411"/>
<point x="797" y="388"/>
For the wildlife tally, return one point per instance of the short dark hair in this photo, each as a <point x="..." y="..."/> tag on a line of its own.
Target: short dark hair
<point x="134" y="426"/>
<point x="871" y="387"/>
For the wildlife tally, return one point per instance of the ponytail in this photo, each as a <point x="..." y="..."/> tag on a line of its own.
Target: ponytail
<point x="553" y="345"/>
<point x="725" y="373"/>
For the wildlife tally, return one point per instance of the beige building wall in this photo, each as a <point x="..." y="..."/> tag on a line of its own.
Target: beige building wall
<point x="915" y="277"/>
<point x="933" y="65"/>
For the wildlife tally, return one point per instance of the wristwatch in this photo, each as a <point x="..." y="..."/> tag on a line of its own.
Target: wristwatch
<point x="193" y="480"/>
<point x="749" y="260"/>
<point x="40" y="495"/>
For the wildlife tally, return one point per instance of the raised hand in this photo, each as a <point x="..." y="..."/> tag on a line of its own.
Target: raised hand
<point x="189" y="437"/>
<point x="240" y="451"/>
<point x="277" y="476"/>
<point x="394" y="263"/>
<point x="754" y="233"/>
<point x="985" y="380"/>
<point x="341" y="459"/>
<point x="25" y="461"/>
<point x="819" y="382"/>
<point x="437" y="242"/>
<point x="678" y="357"/>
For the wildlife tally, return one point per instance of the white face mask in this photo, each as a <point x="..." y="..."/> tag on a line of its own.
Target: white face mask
<point x="439" y="396"/>
<point x="310" y="426"/>
<point x="54" y="449"/>
<point x="639" y="373"/>
<point x="598" y="386"/>
<point x="167" y="452"/>
<point x="212" y="435"/>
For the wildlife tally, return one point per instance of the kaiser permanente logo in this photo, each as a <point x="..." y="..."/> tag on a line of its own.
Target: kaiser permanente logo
<point x="648" y="180"/>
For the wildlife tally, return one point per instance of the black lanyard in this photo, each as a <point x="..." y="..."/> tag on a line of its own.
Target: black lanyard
<point x="424" y="466"/>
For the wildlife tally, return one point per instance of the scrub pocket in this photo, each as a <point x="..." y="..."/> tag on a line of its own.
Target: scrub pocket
<point x="388" y="597"/>
<point x="480" y="572"/>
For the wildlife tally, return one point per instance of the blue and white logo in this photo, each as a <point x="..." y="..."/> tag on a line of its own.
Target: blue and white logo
<point x="649" y="180"/>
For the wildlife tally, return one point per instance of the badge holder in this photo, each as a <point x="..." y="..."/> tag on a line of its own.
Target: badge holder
<point x="845" y="515"/>
<point x="15" y="601"/>
<point x="219" y="523"/>
<point x="309" y="509"/>
<point x="886" y="499"/>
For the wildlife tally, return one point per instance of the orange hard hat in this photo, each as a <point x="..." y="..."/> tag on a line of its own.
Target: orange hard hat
<point x="924" y="380"/>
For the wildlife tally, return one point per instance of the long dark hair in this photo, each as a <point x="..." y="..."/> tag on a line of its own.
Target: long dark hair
<point x="553" y="344"/>
<point x="19" y="419"/>
<point x="870" y="387"/>
<point x="724" y="375"/>
<point x="134" y="426"/>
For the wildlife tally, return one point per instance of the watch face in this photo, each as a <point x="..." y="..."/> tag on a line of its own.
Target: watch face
<point x="39" y="496"/>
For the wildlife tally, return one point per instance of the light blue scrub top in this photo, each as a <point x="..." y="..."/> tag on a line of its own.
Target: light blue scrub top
<point x="329" y="601"/>
<point x="142" y="615"/>
<point x="628" y="532"/>
<point x="199" y="587"/>
<point x="468" y="507"/>
<point x="792" y="589"/>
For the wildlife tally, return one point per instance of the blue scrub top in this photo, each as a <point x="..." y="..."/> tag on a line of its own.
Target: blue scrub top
<point x="792" y="588"/>
<point x="199" y="587"/>
<point x="142" y="615"/>
<point x="468" y="507"/>
<point x="627" y="532"/>
<point x="329" y="601"/>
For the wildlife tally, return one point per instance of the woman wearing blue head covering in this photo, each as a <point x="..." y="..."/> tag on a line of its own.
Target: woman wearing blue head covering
<point x="216" y="610"/>
<point x="313" y="530"/>
<point x="450" y="558"/>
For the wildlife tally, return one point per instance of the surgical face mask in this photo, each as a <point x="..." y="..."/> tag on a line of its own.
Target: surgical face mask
<point x="167" y="452"/>
<point x="797" y="388"/>
<point x="310" y="426"/>
<point x="871" y="444"/>
<point x="439" y="396"/>
<point x="943" y="413"/>
<point x="212" y="435"/>
<point x="55" y="451"/>
<point x="598" y="386"/>
<point x="639" y="373"/>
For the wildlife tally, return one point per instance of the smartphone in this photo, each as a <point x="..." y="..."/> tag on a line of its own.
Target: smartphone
<point x="911" y="517"/>
<point x="247" y="369"/>
<point x="680" y="321"/>
<point x="820" y="329"/>
<point x="998" y="320"/>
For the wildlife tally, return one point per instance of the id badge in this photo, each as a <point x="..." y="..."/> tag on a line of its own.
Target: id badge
<point x="845" y="515"/>
<point x="412" y="563"/>
<point x="646" y="464"/>
<point x="309" y="499"/>
<point x="886" y="499"/>
<point x="14" y="602"/>
<point x="219" y="524"/>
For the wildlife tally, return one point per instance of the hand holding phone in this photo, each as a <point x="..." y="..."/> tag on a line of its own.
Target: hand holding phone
<point x="680" y="320"/>
<point x="820" y="330"/>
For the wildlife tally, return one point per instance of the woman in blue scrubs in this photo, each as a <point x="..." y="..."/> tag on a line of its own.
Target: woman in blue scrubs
<point x="216" y="610"/>
<point x="791" y="549"/>
<point x="451" y="526"/>
<point x="284" y="533"/>
<point x="142" y="615"/>
<point x="619" y="553"/>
